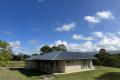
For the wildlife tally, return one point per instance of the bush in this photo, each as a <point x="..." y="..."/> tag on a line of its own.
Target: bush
<point x="4" y="58"/>
<point x="112" y="60"/>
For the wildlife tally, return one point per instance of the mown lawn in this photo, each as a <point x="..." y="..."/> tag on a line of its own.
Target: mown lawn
<point x="15" y="71"/>
<point x="20" y="74"/>
<point x="102" y="73"/>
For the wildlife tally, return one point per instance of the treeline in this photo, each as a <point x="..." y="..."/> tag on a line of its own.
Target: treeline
<point x="105" y="58"/>
<point x="19" y="57"/>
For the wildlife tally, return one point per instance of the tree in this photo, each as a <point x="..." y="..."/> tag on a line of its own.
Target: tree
<point x="20" y="57"/>
<point x="3" y="45"/>
<point x="45" y="49"/>
<point x="102" y="51"/>
<point x="107" y="59"/>
<point x="62" y="47"/>
<point x="5" y="55"/>
<point x="55" y="48"/>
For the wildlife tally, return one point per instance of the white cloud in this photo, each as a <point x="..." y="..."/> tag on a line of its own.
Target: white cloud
<point x="91" y="19"/>
<point x="24" y="50"/>
<point x="66" y="27"/>
<point x="15" y="44"/>
<point x="98" y="34"/>
<point x="99" y="17"/>
<point x="74" y="47"/>
<point x="81" y="37"/>
<point x="33" y="42"/>
<point x="17" y="48"/>
<point x="104" y="15"/>
<point x="60" y="42"/>
<point x="109" y="41"/>
<point x="82" y="47"/>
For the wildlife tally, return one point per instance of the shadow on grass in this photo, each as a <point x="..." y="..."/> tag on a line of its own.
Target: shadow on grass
<point x="110" y="76"/>
<point x="29" y="72"/>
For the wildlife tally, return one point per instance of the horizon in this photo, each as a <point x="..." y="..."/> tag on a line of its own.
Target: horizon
<point x="81" y="25"/>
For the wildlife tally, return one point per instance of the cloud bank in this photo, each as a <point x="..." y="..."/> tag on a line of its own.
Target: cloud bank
<point x="100" y="16"/>
<point x="109" y="41"/>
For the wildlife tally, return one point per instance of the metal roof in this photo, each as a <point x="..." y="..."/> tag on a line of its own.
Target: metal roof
<point x="64" y="56"/>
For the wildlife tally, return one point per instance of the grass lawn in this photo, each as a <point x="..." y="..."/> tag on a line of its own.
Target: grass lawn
<point x="102" y="73"/>
<point x="15" y="71"/>
<point x="20" y="74"/>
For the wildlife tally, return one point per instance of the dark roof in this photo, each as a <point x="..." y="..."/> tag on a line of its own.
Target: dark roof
<point x="64" y="56"/>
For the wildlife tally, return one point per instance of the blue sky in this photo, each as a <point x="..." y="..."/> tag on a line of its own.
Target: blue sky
<point x="29" y="24"/>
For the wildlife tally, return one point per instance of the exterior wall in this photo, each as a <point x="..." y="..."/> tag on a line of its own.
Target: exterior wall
<point x="78" y="66"/>
<point x="51" y="66"/>
<point x="61" y="66"/>
<point x="30" y="64"/>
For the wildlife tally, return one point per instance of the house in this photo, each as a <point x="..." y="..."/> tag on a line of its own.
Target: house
<point x="62" y="62"/>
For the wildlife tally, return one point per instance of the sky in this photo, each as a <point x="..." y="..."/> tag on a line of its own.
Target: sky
<point x="81" y="25"/>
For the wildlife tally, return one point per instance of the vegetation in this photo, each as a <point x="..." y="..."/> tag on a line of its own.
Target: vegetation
<point x="47" y="49"/>
<point x="20" y="74"/>
<point x="107" y="59"/>
<point x="102" y="73"/>
<point x="11" y="60"/>
<point x="60" y="47"/>
<point x="16" y="64"/>
<point x="5" y="53"/>
<point x="19" y="57"/>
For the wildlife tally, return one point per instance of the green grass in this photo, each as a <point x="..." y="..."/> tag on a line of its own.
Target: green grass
<point x="15" y="71"/>
<point x="20" y="74"/>
<point x="102" y="73"/>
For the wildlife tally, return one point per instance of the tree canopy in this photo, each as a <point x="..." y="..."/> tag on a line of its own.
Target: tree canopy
<point x="3" y="44"/>
<point x="47" y="49"/>
<point x="5" y="52"/>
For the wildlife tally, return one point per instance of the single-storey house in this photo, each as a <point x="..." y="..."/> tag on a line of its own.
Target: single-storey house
<point x="62" y="62"/>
